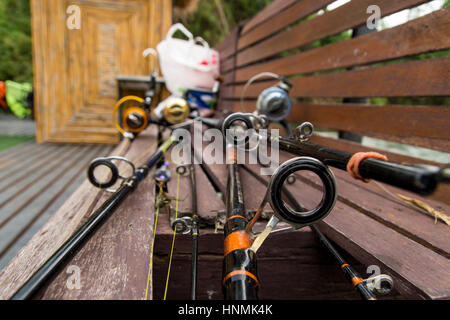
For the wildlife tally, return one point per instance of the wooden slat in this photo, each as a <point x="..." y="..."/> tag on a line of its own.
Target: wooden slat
<point x="54" y="202"/>
<point x="399" y="123"/>
<point x="418" y="271"/>
<point x="424" y="126"/>
<point x="227" y="47"/>
<point x="425" y="34"/>
<point x="277" y="22"/>
<point x="269" y="11"/>
<point x="352" y="214"/>
<point x="343" y="18"/>
<point x="410" y="79"/>
<point x="34" y="207"/>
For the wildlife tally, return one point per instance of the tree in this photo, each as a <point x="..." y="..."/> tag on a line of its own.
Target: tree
<point x="15" y="41"/>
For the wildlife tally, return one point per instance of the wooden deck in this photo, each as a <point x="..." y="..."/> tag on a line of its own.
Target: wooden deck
<point x="35" y="180"/>
<point x="369" y="228"/>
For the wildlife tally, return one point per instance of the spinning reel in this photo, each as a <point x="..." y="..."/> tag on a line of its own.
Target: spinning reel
<point x="274" y="103"/>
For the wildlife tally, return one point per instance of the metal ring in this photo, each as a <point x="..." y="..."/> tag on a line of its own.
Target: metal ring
<point x="102" y="162"/>
<point x="107" y="162"/>
<point x="291" y="179"/>
<point x="185" y="223"/>
<point x="287" y="214"/>
<point x="304" y="131"/>
<point x="182" y="170"/>
<point x="238" y="116"/>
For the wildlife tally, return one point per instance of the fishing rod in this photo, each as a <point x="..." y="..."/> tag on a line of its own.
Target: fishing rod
<point x="421" y="179"/>
<point x="38" y="279"/>
<point x="382" y="284"/>
<point x="190" y="225"/>
<point x="240" y="279"/>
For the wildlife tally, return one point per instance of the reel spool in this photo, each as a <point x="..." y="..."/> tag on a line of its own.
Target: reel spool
<point x="130" y="118"/>
<point x="113" y="175"/>
<point x="173" y="110"/>
<point x="274" y="102"/>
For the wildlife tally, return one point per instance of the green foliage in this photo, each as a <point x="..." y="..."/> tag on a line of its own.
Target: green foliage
<point x="7" y="142"/>
<point x="15" y="41"/>
<point x="206" y="23"/>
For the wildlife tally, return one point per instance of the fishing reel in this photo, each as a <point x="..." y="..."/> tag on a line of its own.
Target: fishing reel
<point x="111" y="175"/>
<point x="172" y="111"/>
<point x="274" y="102"/>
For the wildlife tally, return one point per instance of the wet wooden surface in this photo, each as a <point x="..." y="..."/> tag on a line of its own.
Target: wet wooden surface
<point x="35" y="180"/>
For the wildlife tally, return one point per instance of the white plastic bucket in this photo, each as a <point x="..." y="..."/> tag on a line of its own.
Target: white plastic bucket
<point x="186" y="64"/>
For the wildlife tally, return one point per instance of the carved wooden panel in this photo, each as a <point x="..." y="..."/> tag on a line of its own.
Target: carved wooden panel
<point x="75" y="68"/>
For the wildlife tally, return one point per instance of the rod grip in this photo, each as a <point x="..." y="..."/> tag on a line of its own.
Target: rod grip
<point x="419" y="179"/>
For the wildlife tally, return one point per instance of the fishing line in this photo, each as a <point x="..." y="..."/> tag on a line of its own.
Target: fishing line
<point x="150" y="265"/>
<point x="251" y="80"/>
<point x="173" y="239"/>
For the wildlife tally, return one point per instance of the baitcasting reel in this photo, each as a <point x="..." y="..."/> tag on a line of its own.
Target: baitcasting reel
<point x="111" y="175"/>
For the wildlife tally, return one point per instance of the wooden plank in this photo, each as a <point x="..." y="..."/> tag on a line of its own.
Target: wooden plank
<point x="306" y="266"/>
<point x="24" y="188"/>
<point x="31" y="162"/>
<point x="417" y="271"/>
<point x="208" y="202"/>
<point x="396" y="80"/>
<point x="50" y="237"/>
<point x="113" y="262"/>
<point x="266" y="13"/>
<point x="227" y="47"/>
<point x="283" y="18"/>
<point x="343" y="18"/>
<point x="8" y="161"/>
<point x="399" y="123"/>
<point x="33" y="208"/>
<point x="46" y="212"/>
<point x="211" y="163"/>
<point x="425" y="34"/>
<point x="424" y="126"/>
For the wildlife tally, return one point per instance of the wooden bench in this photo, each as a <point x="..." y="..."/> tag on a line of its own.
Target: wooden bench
<point x="368" y="226"/>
